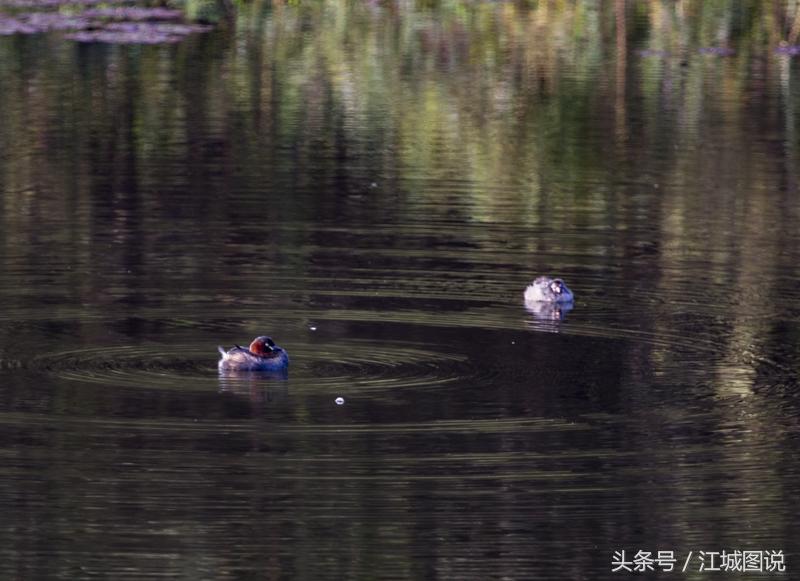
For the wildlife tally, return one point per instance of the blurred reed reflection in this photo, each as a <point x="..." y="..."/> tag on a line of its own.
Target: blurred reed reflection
<point x="375" y="183"/>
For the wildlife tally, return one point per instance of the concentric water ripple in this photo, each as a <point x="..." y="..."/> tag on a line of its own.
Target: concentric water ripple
<point x="335" y="363"/>
<point x="136" y="365"/>
<point x="350" y="364"/>
<point x="366" y="364"/>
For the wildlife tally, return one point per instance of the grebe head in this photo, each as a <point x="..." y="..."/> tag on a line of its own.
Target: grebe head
<point x="557" y="286"/>
<point x="263" y="346"/>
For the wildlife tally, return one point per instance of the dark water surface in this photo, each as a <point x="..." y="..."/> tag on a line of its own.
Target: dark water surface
<point x="374" y="185"/>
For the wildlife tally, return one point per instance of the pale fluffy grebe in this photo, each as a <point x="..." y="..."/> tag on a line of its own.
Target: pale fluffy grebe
<point x="548" y="290"/>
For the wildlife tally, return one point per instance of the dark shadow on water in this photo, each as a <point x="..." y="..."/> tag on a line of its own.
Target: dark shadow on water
<point x="259" y="387"/>
<point x="547" y="316"/>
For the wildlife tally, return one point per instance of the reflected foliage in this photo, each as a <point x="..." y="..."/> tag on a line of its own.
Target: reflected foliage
<point x="395" y="173"/>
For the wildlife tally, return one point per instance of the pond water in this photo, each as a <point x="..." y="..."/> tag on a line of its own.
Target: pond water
<point x="373" y="185"/>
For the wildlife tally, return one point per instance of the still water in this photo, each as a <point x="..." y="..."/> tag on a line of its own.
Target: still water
<point x="373" y="184"/>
